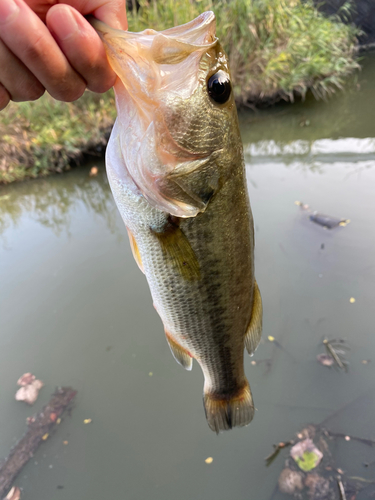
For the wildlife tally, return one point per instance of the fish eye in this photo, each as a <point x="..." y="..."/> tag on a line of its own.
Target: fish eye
<point x="219" y="87"/>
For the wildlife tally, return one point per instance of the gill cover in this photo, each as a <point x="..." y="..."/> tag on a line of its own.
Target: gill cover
<point x="152" y="67"/>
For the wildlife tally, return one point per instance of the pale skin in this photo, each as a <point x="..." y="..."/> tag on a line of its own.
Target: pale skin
<point x="49" y="45"/>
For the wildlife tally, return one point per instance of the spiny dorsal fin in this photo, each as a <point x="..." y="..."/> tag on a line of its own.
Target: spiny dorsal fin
<point x="254" y="331"/>
<point x="179" y="353"/>
<point x="177" y="249"/>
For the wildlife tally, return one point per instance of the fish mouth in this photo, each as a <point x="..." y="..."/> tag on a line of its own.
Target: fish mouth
<point x="154" y="68"/>
<point x="150" y="62"/>
<point x="200" y="32"/>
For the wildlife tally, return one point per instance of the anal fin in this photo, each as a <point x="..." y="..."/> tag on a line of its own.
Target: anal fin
<point x="135" y="250"/>
<point x="179" y="353"/>
<point x="254" y="331"/>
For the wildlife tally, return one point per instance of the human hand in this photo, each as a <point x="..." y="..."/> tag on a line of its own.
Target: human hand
<point x="48" y="45"/>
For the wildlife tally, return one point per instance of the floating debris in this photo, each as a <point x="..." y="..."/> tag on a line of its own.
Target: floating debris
<point x="26" y="379"/>
<point x="311" y="460"/>
<point x="276" y="451"/>
<point x="352" y="300"/>
<point x="306" y="455"/>
<point x="366" y="361"/>
<point x="30" y="387"/>
<point x="45" y="436"/>
<point x="290" y="481"/>
<point x="317" y="485"/>
<point x="209" y="460"/>
<point x="337" y="348"/>
<point x="65" y="442"/>
<point x="87" y="421"/>
<point x="94" y="171"/>
<point x="341" y="489"/>
<point x="326" y="221"/>
<point x="325" y="359"/>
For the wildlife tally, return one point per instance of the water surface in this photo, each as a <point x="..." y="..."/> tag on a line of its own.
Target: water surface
<point x="75" y="310"/>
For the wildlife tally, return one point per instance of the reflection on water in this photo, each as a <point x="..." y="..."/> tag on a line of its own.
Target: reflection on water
<point x="52" y="203"/>
<point x="347" y="114"/>
<point x="75" y="310"/>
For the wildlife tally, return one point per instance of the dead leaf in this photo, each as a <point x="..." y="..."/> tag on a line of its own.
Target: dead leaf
<point x="290" y="481"/>
<point x="25" y="379"/>
<point x="317" y="485"/>
<point x="306" y="454"/>
<point x="29" y="393"/>
<point x="209" y="460"/>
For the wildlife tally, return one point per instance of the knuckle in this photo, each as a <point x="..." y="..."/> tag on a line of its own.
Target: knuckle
<point x="34" y="51"/>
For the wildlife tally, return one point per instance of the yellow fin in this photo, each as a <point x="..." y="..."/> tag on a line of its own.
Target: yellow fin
<point x="178" y="250"/>
<point x="223" y="414"/>
<point x="254" y="331"/>
<point x="135" y="250"/>
<point x="180" y="354"/>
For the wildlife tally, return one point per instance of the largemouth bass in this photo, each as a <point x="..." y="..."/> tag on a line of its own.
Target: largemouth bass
<point x="176" y="169"/>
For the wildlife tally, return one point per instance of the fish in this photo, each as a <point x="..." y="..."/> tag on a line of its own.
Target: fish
<point x="176" y="170"/>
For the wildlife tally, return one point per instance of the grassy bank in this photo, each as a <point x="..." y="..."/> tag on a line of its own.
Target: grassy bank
<point x="276" y="48"/>
<point x="37" y="138"/>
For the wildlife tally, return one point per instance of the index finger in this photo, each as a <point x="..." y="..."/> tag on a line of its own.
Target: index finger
<point x="111" y="12"/>
<point x="30" y="40"/>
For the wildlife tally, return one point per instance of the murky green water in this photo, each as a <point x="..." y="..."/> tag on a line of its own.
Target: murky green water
<point x="75" y="310"/>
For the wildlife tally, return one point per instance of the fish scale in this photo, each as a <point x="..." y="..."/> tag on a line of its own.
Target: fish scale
<point x="183" y="198"/>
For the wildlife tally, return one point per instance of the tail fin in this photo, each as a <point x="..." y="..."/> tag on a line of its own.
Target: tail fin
<point x="223" y="414"/>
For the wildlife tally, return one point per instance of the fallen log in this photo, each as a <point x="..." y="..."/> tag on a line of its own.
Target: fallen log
<point x="40" y="427"/>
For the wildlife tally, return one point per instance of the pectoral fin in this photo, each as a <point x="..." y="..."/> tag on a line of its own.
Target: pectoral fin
<point x="135" y="251"/>
<point x="179" y="353"/>
<point x="254" y="331"/>
<point x="177" y="249"/>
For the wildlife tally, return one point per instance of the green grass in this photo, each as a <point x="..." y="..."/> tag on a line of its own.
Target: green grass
<point x="276" y="49"/>
<point x="46" y="136"/>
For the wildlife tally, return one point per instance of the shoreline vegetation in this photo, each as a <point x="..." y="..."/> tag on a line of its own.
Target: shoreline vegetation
<point x="277" y="49"/>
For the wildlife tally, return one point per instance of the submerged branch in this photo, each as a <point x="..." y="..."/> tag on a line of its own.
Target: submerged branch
<point x="39" y="428"/>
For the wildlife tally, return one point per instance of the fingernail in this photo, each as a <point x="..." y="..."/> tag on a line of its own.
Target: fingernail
<point x="64" y="23"/>
<point x="8" y="8"/>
